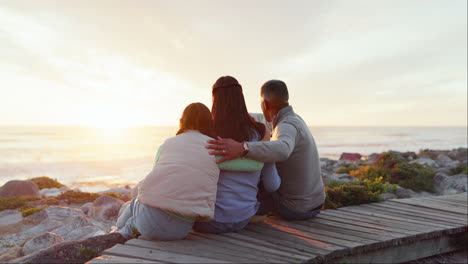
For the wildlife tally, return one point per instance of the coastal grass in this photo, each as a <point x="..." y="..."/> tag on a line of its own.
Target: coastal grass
<point x="16" y="202"/>
<point x="346" y="194"/>
<point x="29" y="211"/>
<point x="77" y="197"/>
<point x="46" y="182"/>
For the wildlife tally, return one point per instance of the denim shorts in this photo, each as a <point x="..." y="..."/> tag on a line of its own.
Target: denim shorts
<point x="152" y="223"/>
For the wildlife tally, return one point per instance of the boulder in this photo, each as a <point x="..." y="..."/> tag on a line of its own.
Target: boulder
<point x="84" y="232"/>
<point x="11" y="253"/>
<point x="58" y="213"/>
<point x="451" y="184"/>
<point x="404" y="193"/>
<point x="107" y="208"/>
<point x="352" y="157"/>
<point x="45" y="226"/>
<point x="460" y="154"/>
<point x="77" y="222"/>
<point x="426" y="162"/>
<point x="50" y="192"/>
<point x="341" y="177"/>
<point x="42" y="241"/>
<point x="72" y="251"/>
<point x="88" y="209"/>
<point x="10" y="217"/>
<point x="19" y="188"/>
<point x="444" y="161"/>
<point x="387" y="196"/>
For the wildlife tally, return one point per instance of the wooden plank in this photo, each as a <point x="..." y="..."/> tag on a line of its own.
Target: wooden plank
<point x="399" y="217"/>
<point x="429" y="205"/>
<point x="365" y="224"/>
<point x="364" y="229"/>
<point x="193" y="248"/>
<point x="458" y="219"/>
<point x="322" y="230"/>
<point x="459" y="201"/>
<point x="289" y="245"/>
<point x="303" y="232"/>
<point x="279" y="246"/>
<point x="254" y="251"/>
<point x="460" y="204"/>
<point x="254" y="246"/>
<point x="403" y="253"/>
<point x="344" y="230"/>
<point x="156" y="255"/>
<point x="374" y="219"/>
<point x="115" y="259"/>
<point x="300" y="237"/>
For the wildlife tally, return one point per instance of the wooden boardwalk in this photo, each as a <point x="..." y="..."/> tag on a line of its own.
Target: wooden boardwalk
<point x="394" y="231"/>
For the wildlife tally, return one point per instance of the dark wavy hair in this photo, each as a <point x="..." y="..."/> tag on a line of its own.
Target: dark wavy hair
<point x="230" y="116"/>
<point x="196" y="116"/>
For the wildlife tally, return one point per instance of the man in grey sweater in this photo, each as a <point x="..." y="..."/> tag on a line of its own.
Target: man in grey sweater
<point x="292" y="147"/>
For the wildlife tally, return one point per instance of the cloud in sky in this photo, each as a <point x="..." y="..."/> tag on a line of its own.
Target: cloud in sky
<point x="345" y="62"/>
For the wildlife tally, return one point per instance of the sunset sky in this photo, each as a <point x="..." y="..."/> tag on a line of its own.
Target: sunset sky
<point x="125" y="63"/>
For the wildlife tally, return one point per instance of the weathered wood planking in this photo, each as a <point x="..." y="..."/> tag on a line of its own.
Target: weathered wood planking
<point x="388" y="232"/>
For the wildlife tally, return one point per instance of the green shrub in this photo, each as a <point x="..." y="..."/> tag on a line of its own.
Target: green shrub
<point x="78" y="197"/>
<point x="346" y="195"/>
<point x="46" y="182"/>
<point x="29" y="211"/>
<point x="371" y="173"/>
<point x="346" y="168"/>
<point x="461" y="168"/>
<point x="16" y="202"/>
<point x="413" y="176"/>
<point x="388" y="160"/>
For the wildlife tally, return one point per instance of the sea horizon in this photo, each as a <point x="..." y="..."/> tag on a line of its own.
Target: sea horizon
<point x="95" y="159"/>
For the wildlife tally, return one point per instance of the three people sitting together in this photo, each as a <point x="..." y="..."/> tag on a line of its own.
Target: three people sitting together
<point x="223" y="170"/>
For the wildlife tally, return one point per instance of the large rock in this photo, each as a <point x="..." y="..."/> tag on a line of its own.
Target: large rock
<point x="58" y="213"/>
<point x="50" y="192"/>
<point x="404" y="193"/>
<point x="352" y="157"/>
<point x="77" y="222"/>
<point x="19" y="188"/>
<point x="426" y="162"/>
<point x="387" y="196"/>
<point x="72" y="251"/>
<point x="10" y="217"/>
<point x="84" y="232"/>
<point x="341" y="177"/>
<point x="450" y="184"/>
<point x="88" y="209"/>
<point x="107" y="208"/>
<point x="460" y="154"/>
<point x="444" y="161"/>
<point x="11" y="253"/>
<point x="45" y="226"/>
<point x="42" y="241"/>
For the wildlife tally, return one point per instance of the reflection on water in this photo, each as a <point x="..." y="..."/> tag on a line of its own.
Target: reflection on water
<point x="96" y="158"/>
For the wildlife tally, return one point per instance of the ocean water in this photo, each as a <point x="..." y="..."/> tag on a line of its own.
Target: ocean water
<point x="95" y="159"/>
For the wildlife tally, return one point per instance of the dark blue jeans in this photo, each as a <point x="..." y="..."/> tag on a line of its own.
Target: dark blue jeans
<point x="270" y="202"/>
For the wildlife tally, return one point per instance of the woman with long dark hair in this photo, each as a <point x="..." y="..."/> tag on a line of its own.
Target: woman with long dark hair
<point x="236" y="198"/>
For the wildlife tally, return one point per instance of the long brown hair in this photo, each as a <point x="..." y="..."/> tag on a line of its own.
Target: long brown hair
<point x="196" y="116"/>
<point x="230" y="116"/>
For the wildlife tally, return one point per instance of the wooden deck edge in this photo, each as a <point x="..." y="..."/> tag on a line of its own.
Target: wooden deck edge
<point x="411" y="249"/>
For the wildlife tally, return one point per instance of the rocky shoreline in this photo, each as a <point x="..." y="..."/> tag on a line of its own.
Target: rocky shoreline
<point x="41" y="212"/>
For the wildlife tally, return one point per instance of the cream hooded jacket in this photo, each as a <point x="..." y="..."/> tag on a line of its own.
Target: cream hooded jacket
<point x="185" y="178"/>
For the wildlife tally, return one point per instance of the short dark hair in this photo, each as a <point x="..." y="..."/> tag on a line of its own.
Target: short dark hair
<point x="275" y="90"/>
